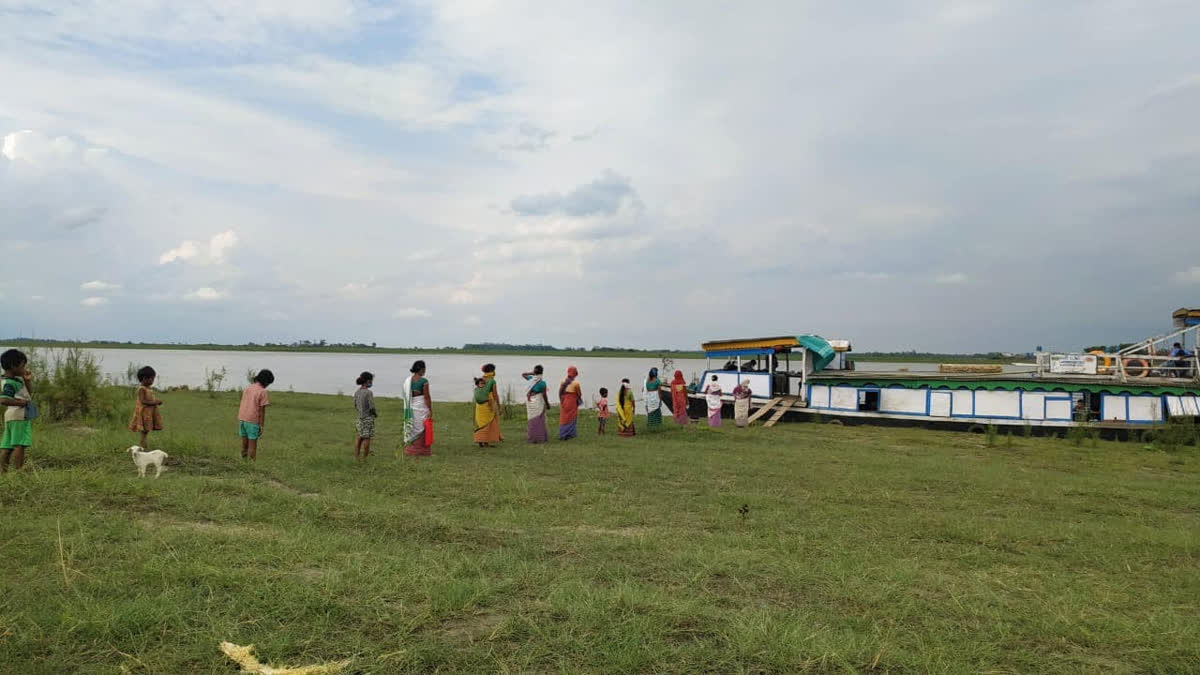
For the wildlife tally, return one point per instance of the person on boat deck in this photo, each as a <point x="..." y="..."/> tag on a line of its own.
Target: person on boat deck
<point x="712" y="397"/>
<point x="679" y="399"/>
<point x="487" y="409"/>
<point x="570" y="395"/>
<point x="1180" y="366"/>
<point x="652" y="394"/>
<point x="741" y="403"/>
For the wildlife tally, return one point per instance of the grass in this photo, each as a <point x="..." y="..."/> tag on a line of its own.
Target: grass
<point x="860" y="549"/>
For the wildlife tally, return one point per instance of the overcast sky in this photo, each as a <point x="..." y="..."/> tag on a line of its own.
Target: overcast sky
<point x="969" y="175"/>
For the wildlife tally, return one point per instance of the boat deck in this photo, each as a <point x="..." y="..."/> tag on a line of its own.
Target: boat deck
<point x="1026" y="376"/>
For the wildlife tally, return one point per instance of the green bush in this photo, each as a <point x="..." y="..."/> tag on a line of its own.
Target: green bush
<point x="69" y="384"/>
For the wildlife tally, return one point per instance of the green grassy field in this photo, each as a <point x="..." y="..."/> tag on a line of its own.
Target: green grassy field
<point x="863" y="549"/>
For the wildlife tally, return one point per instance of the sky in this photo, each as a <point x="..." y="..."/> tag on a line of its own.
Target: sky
<point x="958" y="176"/>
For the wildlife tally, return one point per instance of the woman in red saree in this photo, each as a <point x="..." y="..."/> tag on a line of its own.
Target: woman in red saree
<point x="679" y="398"/>
<point x="570" y="394"/>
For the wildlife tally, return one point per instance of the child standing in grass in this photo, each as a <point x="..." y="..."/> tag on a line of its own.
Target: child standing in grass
<point x="146" y="416"/>
<point x="602" y="409"/>
<point x="364" y="403"/>
<point x="15" y="397"/>
<point x="252" y="414"/>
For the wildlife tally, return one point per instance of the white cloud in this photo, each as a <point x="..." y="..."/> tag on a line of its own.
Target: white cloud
<point x="218" y="247"/>
<point x="94" y="301"/>
<point x="411" y="313"/>
<point x="206" y="294"/>
<point x="1189" y="276"/>
<point x="185" y="251"/>
<point x="472" y="320"/>
<point x="951" y="279"/>
<point x="220" y="244"/>
<point x="100" y="286"/>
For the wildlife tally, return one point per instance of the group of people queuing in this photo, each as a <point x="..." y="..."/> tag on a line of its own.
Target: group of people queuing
<point x="19" y="410"/>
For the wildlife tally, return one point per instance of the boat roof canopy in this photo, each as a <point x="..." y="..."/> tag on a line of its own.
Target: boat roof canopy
<point x="771" y="345"/>
<point x="1186" y="317"/>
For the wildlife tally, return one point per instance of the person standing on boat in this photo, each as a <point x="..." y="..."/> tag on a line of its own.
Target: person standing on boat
<point x="712" y="397"/>
<point x="741" y="404"/>
<point x="536" y="404"/>
<point x="679" y="399"/>
<point x="625" y="410"/>
<point x="570" y="395"/>
<point x="651" y="393"/>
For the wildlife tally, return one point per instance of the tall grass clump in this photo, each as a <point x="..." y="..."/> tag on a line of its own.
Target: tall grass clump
<point x="508" y="404"/>
<point x="69" y="384"/>
<point x="992" y="432"/>
<point x="213" y="380"/>
<point x="1079" y="433"/>
<point x="1175" y="434"/>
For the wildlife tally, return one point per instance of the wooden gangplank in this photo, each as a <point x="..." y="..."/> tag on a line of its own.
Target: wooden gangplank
<point x="763" y="410"/>
<point x="785" y="406"/>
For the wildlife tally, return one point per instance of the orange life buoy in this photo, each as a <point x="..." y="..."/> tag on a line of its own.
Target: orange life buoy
<point x="1136" y="367"/>
<point x="1107" y="367"/>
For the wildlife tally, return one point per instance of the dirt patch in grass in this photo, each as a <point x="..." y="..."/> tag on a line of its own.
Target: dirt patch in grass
<point x="473" y="627"/>
<point x="609" y="532"/>
<point x="158" y="522"/>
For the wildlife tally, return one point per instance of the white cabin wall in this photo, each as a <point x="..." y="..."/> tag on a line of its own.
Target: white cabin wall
<point x="908" y="401"/>
<point x="997" y="404"/>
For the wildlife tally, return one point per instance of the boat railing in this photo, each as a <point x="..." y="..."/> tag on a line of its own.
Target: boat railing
<point x="1125" y="367"/>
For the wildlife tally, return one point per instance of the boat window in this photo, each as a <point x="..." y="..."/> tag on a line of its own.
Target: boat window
<point x="868" y="400"/>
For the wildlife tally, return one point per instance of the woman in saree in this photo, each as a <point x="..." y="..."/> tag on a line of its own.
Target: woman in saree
<point x="653" y="396"/>
<point x="418" y="407"/>
<point x="679" y="399"/>
<point x="487" y="409"/>
<point x="741" y="404"/>
<point x="712" y="398"/>
<point x="536" y="404"/>
<point x="570" y="395"/>
<point x="625" y="410"/>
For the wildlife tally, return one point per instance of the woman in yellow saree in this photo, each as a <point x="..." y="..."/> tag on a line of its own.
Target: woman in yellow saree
<point x="487" y="409"/>
<point x="625" y="410"/>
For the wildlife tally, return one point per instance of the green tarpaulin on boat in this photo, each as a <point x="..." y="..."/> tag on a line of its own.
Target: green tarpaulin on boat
<point x="819" y="346"/>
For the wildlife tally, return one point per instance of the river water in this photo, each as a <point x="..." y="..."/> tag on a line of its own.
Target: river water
<point x="450" y="375"/>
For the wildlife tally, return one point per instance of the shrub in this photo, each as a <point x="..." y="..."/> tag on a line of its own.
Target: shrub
<point x="991" y="432"/>
<point x="69" y="384"/>
<point x="508" y="404"/>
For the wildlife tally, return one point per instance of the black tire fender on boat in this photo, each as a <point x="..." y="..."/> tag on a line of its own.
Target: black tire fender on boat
<point x="837" y="423"/>
<point x="976" y="429"/>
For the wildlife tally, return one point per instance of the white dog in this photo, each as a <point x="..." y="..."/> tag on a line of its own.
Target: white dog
<point x="145" y="459"/>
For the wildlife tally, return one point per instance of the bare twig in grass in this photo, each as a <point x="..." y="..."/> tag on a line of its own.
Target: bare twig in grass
<point x="62" y="560"/>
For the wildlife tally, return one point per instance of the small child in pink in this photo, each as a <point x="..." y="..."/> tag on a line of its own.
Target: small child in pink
<point x="602" y="408"/>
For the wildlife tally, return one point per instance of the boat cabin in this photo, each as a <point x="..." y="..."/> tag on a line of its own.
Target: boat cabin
<point x="775" y="366"/>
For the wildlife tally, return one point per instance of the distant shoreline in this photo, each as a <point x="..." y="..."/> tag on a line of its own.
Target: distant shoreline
<point x="366" y="349"/>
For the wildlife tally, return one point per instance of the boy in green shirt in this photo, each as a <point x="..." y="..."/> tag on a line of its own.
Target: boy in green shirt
<point x="14" y="397"/>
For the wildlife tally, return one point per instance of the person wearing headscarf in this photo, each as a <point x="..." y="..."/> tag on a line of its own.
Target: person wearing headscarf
<point x="741" y="403"/>
<point x="651" y="393"/>
<point x="570" y="395"/>
<point x="679" y="399"/>
<point x="712" y="398"/>
<point x="487" y="409"/>
<point x="536" y="405"/>
<point x="625" y="410"/>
